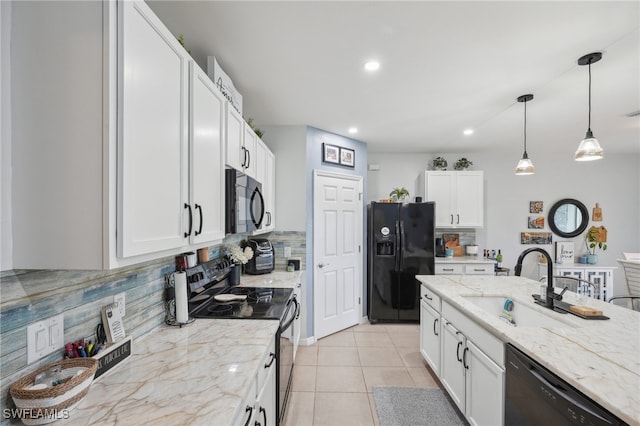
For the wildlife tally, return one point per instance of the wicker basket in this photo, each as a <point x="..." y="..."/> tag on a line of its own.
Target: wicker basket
<point x="40" y="406"/>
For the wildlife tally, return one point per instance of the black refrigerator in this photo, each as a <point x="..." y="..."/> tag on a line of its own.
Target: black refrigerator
<point x="401" y="245"/>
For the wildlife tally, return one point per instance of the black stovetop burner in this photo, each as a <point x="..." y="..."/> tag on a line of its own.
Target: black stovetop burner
<point x="260" y="303"/>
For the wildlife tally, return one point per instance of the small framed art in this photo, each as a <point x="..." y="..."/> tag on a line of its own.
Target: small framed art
<point x="347" y="157"/>
<point x="330" y="153"/>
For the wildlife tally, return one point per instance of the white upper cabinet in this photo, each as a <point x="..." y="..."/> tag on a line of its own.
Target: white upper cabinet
<point x="206" y="158"/>
<point x="459" y="197"/>
<point x="265" y="174"/>
<point x="152" y="134"/>
<point x="235" y="153"/>
<point x="250" y="143"/>
<point x="131" y="147"/>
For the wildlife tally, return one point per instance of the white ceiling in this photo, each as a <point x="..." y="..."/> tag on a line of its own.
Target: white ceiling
<point x="445" y="67"/>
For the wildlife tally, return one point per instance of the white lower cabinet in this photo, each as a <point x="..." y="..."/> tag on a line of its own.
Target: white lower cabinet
<point x="468" y="360"/>
<point x="259" y="406"/>
<point x="430" y="336"/>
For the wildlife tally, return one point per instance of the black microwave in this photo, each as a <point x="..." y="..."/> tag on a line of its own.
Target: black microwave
<point x="244" y="203"/>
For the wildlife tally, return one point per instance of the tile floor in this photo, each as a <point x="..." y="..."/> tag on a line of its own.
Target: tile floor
<point x="333" y="379"/>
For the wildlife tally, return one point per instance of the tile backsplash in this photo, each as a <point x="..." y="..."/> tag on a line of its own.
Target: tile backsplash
<point x="27" y="296"/>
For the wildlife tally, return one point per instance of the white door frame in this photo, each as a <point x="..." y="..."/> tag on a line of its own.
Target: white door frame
<point x="360" y="262"/>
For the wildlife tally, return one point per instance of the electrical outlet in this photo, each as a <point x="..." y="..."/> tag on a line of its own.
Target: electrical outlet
<point x="287" y="252"/>
<point x="119" y="301"/>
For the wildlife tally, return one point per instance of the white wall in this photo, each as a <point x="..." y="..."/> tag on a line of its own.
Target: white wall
<point x="613" y="182"/>
<point x="6" y="247"/>
<point x="288" y="143"/>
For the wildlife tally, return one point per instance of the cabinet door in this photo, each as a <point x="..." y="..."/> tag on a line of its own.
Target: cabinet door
<point x="452" y="370"/>
<point x="266" y="403"/>
<point x="234" y="133"/>
<point x="152" y="122"/>
<point x="430" y="336"/>
<point x="440" y="187"/>
<point x="270" y="191"/>
<point x="484" y="388"/>
<point x="206" y="177"/>
<point x="469" y="199"/>
<point x="250" y="142"/>
<point x="261" y="160"/>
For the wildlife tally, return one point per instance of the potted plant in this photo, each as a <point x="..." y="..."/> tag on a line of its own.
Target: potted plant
<point x="439" y="163"/>
<point x="462" y="164"/>
<point x="399" y="194"/>
<point x="239" y="258"/>
<point x="592" y="241"/>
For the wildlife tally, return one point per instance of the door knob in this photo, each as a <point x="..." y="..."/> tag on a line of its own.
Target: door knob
<point x="322" y="265"/>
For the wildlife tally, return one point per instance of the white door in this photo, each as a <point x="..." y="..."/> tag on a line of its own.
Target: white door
<point x="439" y="189"/>
<point x="337" y="252"/>
<point x="469" y="199"/>
<point x="430" y="336"/>
<point x="451" y="363"/>
<point x="485" y="389"/>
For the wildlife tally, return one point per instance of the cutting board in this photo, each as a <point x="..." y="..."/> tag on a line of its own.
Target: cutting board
<point x="586" y="311"/>
<point x="451" y="240"/>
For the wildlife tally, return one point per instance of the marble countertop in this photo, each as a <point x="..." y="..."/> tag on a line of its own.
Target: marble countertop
<point x="600" y="358"/>
<point x="198" y="374"/>
<point x="464" y="259"/>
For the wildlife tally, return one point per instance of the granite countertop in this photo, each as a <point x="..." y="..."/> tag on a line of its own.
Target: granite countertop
<point x="600" y="358"/>
<point x="465" y="259"/>
<point x="197" y="374"/>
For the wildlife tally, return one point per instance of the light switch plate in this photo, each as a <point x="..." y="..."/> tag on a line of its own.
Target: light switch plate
<point x="287" y="252"/>
<point x="119" y="301"/>
<point x="44" y="337"/>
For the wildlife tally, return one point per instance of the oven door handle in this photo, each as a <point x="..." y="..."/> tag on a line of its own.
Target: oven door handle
<point x="298" y="307"/>
<point x="293" y="317"/>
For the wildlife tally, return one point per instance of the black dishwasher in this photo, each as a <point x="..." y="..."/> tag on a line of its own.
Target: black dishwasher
<point x="535" y="396"/>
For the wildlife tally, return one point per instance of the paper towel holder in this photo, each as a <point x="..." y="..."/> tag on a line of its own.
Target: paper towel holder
<point x="170" y="302"/>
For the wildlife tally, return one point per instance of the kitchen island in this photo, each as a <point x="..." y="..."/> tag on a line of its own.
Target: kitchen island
<point x="599" y="358"/>
<point x="198" y="374"/>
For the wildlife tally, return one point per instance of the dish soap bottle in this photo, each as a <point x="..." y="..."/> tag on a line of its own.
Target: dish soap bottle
<point x="499" y="259"/>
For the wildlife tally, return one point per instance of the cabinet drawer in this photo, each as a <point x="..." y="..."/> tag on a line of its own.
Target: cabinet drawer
<point x="430" y="298"/>
<point x="443" y="269"/>
<point x="478" y="269"/>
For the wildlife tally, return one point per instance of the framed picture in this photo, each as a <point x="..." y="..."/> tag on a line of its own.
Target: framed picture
<point x="535" y="222"/>
<point x="564" y="252"/>
<point x="535" y="238"/>
<point x="347" y="157"/>
<point x="536" y="206"/>
<point x="330" y="153"/>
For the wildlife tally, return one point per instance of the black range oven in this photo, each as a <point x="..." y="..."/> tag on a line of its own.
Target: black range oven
<point x="211" y="297"/>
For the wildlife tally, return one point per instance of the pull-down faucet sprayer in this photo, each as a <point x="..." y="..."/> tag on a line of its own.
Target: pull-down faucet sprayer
<point x="550" y="293"/>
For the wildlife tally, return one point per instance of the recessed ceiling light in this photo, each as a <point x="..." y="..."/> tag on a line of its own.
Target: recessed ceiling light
<point x="468" y="132"/>
<point x="353" y="130"/>
<point x="372" y="66"/>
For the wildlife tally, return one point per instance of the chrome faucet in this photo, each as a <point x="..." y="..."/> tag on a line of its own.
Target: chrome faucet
<point x="550" y="293"/>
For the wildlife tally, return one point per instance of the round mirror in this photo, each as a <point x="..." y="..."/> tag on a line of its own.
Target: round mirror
<point x="568" y="218"/>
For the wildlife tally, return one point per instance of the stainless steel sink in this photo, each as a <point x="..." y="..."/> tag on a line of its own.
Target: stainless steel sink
<point x="522" y="315"/>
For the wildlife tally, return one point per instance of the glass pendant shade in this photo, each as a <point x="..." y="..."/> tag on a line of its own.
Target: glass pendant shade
<point x="589" y="149"/>
<point x="525" y="166"/>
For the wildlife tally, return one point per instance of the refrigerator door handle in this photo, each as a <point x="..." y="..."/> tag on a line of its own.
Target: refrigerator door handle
<point x="401" y="245"/>
<point x="398" y="245"/>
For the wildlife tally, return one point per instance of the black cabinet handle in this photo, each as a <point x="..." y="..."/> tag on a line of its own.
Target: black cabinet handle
<point x="244" y="157"/>
<point x="464" y="358"/>
<point x="187" y="206"/>
<point x="458" y="223"/>
<point x="273" y="358"/>
<point x="452" y="219"/>
<point x="249" y="156"/>
<point x="199" y="208"/>
<point x="264" y="415"/>
<point x="427" y="296"/>
<point x="249" y="410"/>
<point x="435" y="322"/>
<point x="458" y="352"/>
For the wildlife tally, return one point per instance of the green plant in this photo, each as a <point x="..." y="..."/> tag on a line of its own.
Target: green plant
<point x="439" y="163"/>
<point x="591" y="241"/>
<point x="462" y="164"/>
<point x="259" y="132"/>
<point x="399" y="194"/>
<point x="181" y="41"/>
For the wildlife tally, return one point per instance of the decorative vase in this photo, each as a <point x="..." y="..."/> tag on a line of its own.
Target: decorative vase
<point x="592" y="259"/>
<point x="234" y="275"/>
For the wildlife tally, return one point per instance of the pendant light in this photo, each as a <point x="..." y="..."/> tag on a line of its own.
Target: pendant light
<point x="525" y="166"/>
<point x="589" y="149"/>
